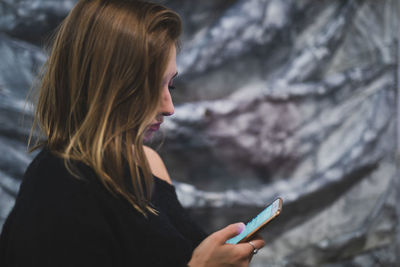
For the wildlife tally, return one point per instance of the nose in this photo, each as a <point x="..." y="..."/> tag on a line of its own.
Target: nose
<point x="167" y="106"/>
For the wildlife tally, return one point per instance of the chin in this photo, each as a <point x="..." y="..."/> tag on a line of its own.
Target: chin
<point x="148" y="136"/>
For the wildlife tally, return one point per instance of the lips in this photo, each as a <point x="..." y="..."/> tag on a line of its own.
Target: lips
<point x="155" y="127"/>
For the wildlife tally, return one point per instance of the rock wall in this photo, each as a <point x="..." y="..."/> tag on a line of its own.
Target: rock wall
<point x="274" y="98"/>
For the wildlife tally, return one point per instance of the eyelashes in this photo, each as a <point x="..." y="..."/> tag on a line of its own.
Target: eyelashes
<point x="170" y="84"/>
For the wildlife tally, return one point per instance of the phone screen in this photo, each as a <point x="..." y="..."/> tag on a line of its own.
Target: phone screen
<point x="256" y="224"/>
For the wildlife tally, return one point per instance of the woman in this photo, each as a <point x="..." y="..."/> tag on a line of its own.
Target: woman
<point x="94" y="195"/>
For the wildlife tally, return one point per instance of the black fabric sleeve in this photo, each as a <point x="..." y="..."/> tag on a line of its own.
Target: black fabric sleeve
<point x="66" y="235"/>
<point x="168" y="201"/>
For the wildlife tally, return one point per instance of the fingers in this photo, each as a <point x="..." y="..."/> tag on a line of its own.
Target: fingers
<point x="215" y="252"/>
<point x="258" y="241"/>
<point x="228" y="232"/>
<point x="251" y="247"/>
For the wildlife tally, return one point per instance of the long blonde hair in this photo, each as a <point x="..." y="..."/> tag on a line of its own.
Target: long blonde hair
<point x="101" y="87"/>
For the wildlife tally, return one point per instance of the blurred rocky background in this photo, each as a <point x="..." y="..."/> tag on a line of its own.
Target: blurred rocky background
<point x="289" y="98"/>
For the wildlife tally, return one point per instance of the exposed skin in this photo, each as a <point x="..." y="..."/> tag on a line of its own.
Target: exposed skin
<point x="157" y="165"/>
<point x="212" y="251"/>
<point x="167" y="106"/>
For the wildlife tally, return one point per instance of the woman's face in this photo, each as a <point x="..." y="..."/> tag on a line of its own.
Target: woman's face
<point x="166" y="107"/>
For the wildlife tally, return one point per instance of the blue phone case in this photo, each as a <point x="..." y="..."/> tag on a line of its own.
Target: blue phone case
<point x="262" y="218"/>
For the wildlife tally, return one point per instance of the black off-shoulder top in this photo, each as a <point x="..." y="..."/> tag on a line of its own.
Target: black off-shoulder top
<point x="59" y="220"/>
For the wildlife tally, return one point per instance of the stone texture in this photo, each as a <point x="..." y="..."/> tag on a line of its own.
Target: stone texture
<point x="20" y="62"/>
<point x="32" y="20"/>
<point x="275" y="98"/>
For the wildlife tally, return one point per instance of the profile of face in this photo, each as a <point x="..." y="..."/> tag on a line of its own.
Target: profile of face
<point x="166" y="107"/>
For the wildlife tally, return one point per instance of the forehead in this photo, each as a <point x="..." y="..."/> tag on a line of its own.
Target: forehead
<point x="171" y="66"/>
<point x="172" y="59"/>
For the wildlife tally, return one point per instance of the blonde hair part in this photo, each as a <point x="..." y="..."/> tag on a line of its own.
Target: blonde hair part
<point x="101" y="88"/>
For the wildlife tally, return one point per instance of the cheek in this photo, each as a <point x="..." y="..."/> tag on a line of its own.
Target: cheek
<point x="166" y="97"/>
<point x="166" y="93"/>
<point x="147" y="136"/>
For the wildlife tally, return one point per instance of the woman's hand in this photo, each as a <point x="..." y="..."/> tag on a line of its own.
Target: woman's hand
<point x="214" y="252"/>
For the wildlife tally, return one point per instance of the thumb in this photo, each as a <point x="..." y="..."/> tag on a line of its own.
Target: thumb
<point x="228" y="232"/>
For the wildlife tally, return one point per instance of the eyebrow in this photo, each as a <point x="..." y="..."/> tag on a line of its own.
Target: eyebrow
<point x="165" y="78"/>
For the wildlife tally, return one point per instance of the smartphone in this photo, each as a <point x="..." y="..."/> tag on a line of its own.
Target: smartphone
<point x="259" y="222"/>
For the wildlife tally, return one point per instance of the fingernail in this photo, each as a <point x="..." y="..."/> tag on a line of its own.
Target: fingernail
<point x="241" y="227"/>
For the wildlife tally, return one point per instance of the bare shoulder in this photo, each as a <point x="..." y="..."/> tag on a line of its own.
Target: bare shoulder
<point x="157" y="165"/>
